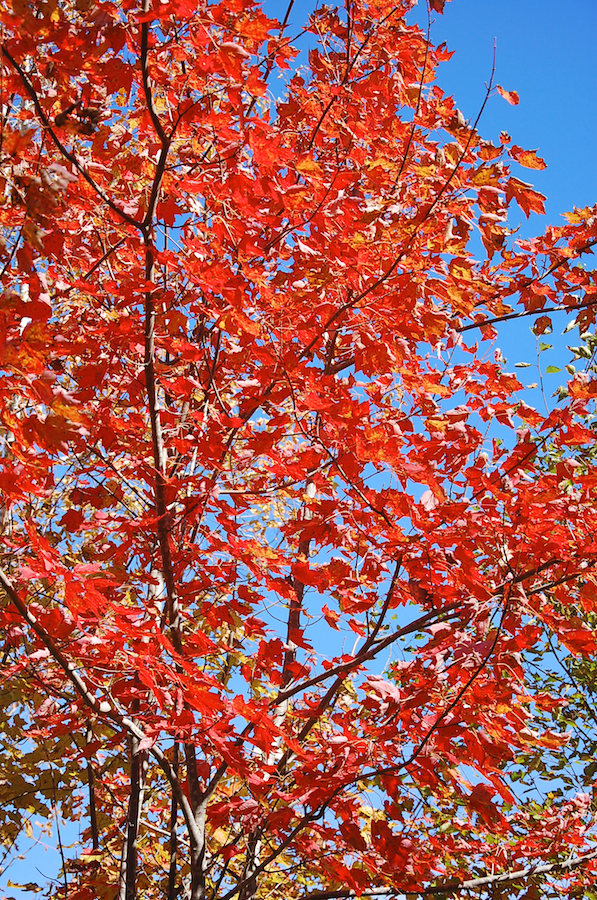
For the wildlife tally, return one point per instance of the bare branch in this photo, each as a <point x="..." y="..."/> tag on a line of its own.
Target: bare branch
<point x="155" y="119"/>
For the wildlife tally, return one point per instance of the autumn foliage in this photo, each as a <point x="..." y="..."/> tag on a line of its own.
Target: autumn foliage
<point x="288" y="562"/>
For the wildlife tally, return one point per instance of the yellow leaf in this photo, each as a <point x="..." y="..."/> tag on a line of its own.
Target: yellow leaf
<point x="527" y="158"/>
<point x="220" y="837"/>
<point x="453" y="153"/>
<point x="483" y="176"/>
<point x="308" y="167"/>
<point x="68" y="410"/>
<point x="381" y="161"/>
<point x="463" y="272"/>
<point x="462" y="303"/>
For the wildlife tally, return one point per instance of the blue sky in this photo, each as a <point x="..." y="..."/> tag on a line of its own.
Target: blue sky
<point x="546" y="50"/>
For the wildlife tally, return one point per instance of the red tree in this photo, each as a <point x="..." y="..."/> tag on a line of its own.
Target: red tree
<point x="273" y="590"/>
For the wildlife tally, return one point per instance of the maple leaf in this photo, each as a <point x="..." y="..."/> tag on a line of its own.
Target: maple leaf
<point x="527" y="158"/>
<point x="511" y="96"/>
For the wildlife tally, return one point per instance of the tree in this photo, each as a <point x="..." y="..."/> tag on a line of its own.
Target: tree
<point x="283" y="549"/>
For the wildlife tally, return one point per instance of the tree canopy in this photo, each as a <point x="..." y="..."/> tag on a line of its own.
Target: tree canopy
<point x="298" y="590"/>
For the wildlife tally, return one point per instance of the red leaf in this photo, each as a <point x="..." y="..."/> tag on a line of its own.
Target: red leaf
<point x="331" y="617"/>
<point x="526" y="196"/>
<point x="543" y="325"/>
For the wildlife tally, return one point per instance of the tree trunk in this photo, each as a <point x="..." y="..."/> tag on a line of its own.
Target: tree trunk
<point x="127" y="888"/>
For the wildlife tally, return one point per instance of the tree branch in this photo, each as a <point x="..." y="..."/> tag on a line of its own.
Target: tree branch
<point x="391" y="770"/>
<point x="347" y="893"/>
<point x="127" y="887"/>
<point x="173" y="835"/>
<point x="91" y="788"/>
<point x="155" y="119"/>
<point x="524" y="313"/>
<point x="366" y="655"/>
<point x="353" y="301"/>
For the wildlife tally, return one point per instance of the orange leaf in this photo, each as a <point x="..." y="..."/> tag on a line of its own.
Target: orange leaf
<point x="527" y="158"/>
<point x="511" y="96"/>
<point x="527" y="198"/>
